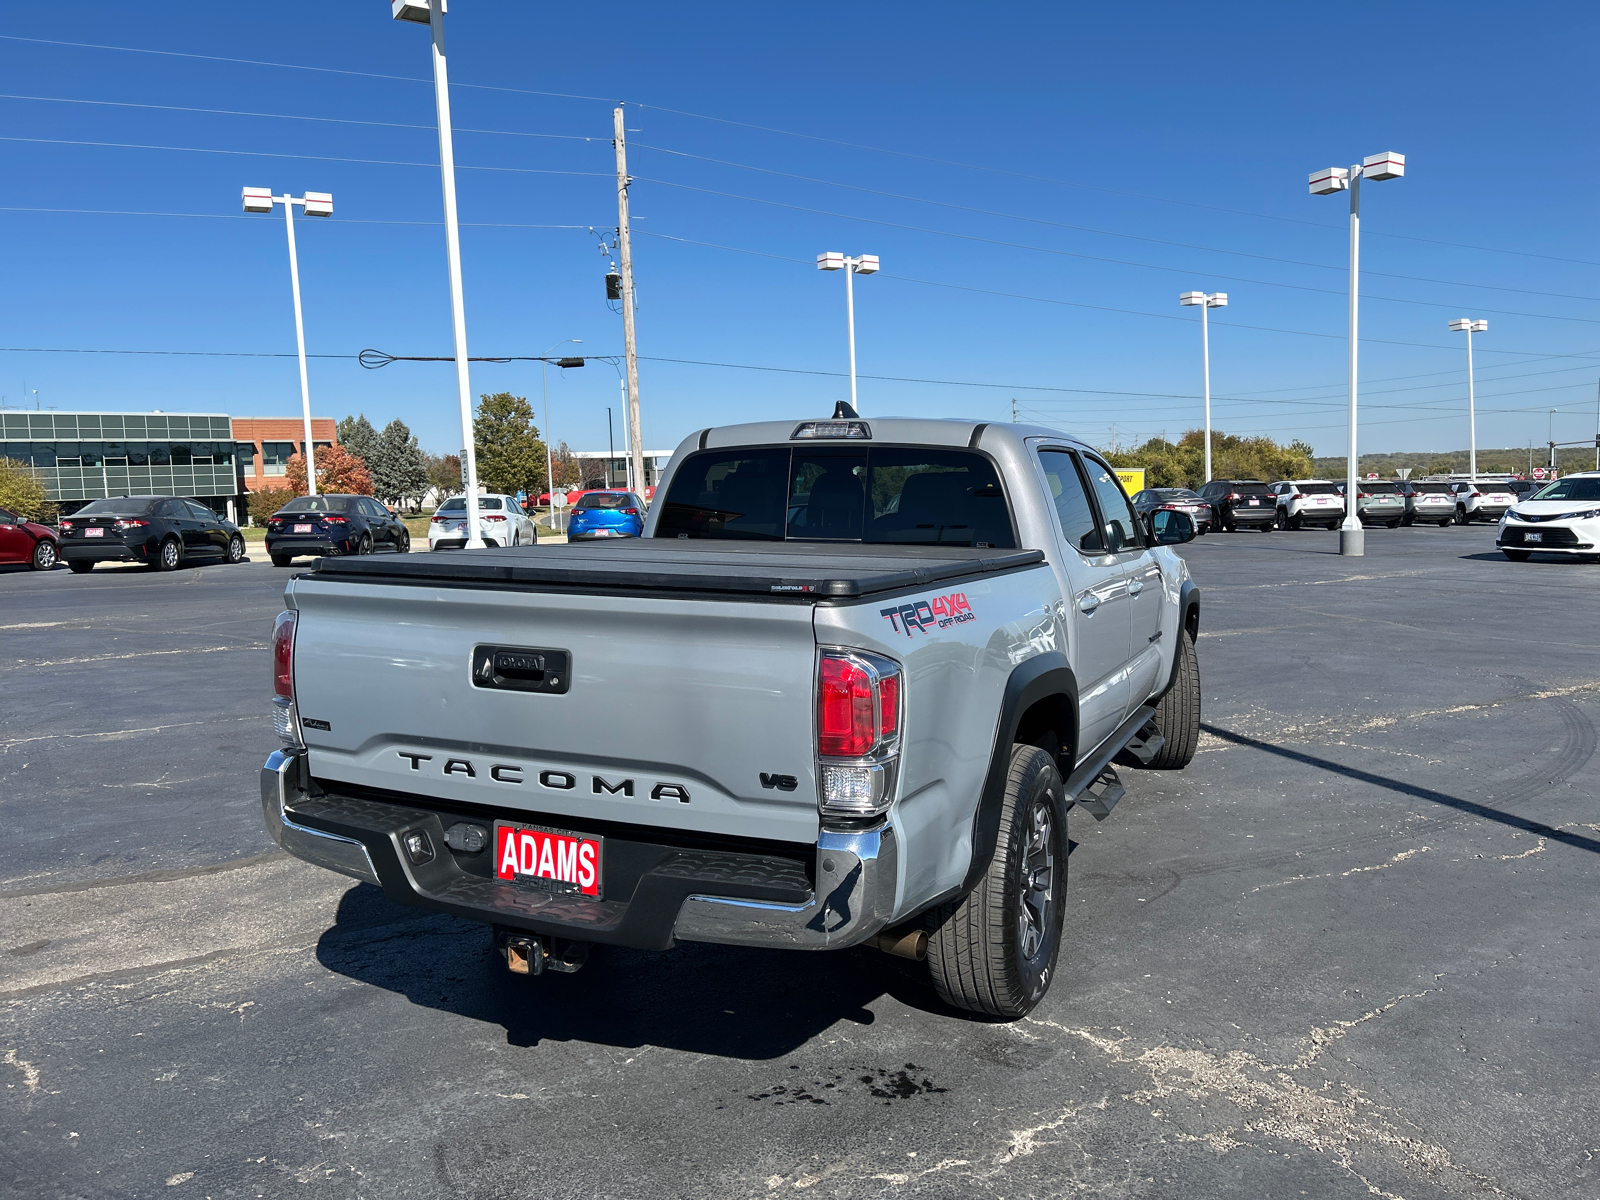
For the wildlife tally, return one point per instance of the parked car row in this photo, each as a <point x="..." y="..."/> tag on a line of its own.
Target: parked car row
<point x="1233" y="504"/>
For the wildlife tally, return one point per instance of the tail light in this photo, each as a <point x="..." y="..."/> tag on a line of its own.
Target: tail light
<point x="335" y="520"/>
<point x="130" y="524"/>
<point x="858" y="732"/>
<point x="440" y="520"/>
<point x="285" y="719"/>
<point x="632" y="512"/>
<point x="493" y="517"/>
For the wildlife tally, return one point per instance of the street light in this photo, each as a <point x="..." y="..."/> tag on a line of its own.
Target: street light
<point x="316" y="204"/>
<point x="1325" y="183"/>
<point x="1469" y="327"/>
<point x="1205" y="301"/>
<point x="431" y="14"/>
<point x="544" y="383"/>
<point x="865" y="264"/>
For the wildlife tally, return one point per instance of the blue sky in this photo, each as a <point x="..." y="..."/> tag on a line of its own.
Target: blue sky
<point x="1114" y="157"/>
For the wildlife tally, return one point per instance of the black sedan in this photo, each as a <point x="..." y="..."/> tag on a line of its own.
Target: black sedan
<point x="1241" y="503"/>
<point x="159" y="531"/>
<point x="1153" y="500"/>
<point x="334" y="524"/>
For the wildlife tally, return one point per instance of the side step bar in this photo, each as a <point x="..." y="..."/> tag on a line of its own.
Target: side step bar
<point x="1094" y="784"/>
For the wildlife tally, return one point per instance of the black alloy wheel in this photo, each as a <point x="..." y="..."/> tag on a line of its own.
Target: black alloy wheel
<point x="365" y="545"/>
<point x="168" y="555"/>
<point x="282" y="560"/>
<point x="235" y="549"/>
<point x="44" y="555"/>
<point x="1461" y="516"/>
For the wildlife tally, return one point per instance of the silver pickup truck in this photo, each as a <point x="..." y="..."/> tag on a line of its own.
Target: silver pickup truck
<point x="843" y="691"/>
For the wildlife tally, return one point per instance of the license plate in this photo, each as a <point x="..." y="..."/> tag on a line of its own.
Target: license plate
<point x="1533" y="537"/>
<point x="548" y="860"/>
<point x="302" y="529"/>
<point x="94" y="531"/>
<point x="1253" y="503"/>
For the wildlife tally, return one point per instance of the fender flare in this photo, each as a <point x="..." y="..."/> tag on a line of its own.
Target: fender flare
<point x="1042" y="676"/>
<point x="1188" y="619"/>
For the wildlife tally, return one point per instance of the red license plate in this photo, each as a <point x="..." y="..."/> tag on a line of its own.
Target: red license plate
<point x="94" y="531"/>
<point x="302" y="529"/>
<point x="548" y="860"/>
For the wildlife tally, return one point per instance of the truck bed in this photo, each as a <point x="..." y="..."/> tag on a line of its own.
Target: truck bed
<point x="776" y="570"/>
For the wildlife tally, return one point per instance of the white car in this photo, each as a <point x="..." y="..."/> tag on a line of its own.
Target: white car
<point x="1303" y="502"/>
<point x="1481" y="499"/>
<point x="501" y="522"/>
<point x="1563" y="518"/>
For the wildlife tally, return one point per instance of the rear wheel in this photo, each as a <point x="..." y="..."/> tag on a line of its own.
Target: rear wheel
<point x="994" y="951"/>
<point x="1516" y="555"/>
<point x="236" y="549"/>
<point x="79" y="567"/>
<point x="1395" y="524"/>
<point x="1178" y="711"/>
<point x="168" y="555"/>
<point x="365" y="545"/>
<point x="1461" y="517"/>
<point x="403" y="546"/>
<point x="44" y="555"/>
<point x="282" y="560"/>
<point x="1406" y="521"/>
<point x="1445" y="523"/>
<point x="1294" y="522"/>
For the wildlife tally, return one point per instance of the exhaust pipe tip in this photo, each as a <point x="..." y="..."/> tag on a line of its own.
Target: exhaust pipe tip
<point x="903" y="943"/>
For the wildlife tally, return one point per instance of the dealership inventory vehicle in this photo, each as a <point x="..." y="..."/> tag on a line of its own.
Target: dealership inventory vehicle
<point x="334" y="523"/>
<point x="1481" y="500"/>
<point x="501" y="522"/>
<point x="1378" y="502"/>
<point x="1240" y="504"/>
<point x="25" y="541"/>
<point x="1562" y="518"/>
<point x="159" y="531"/>
<point x="871" y="664"/>
<point x="1183" y="500"/>
<point x="1301" y="502"/>
<point x="1427" y="500"/>
<point x="606" y="515"/>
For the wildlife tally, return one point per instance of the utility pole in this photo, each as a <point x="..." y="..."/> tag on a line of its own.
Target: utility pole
<point x="1013" y="410"/>
<point x="629" y="345"/>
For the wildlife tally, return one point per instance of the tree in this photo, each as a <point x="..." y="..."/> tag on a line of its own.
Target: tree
<point x="1183" y="464"/>
<point x="568" y="474"/>
<point x="396" y="466"/>
<point x="23" y="491"/>
<point x="337" y="471"/>
<point x="357" y="435"/>
<point x="444" y="474"/>
<point x="510" y="452"/>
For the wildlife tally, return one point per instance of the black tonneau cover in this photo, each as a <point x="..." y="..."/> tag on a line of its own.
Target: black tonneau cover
<point x="794" y="570"/>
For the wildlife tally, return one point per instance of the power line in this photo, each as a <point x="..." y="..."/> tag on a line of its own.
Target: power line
<point x="127" y="212"/>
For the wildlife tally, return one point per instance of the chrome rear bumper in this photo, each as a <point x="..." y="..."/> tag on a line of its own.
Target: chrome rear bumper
<point x="344" y="855"/>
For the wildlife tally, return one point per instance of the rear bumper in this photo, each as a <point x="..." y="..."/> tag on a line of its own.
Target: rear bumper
<point x="1252" y="516"/>
<point x="94" y="551"/>
<point x="306" y="547"/>
<point x="601" y="531"/>
<point x="835" y="895"/>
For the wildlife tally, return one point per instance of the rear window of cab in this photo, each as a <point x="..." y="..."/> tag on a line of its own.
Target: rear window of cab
<point x="883" y="495"/>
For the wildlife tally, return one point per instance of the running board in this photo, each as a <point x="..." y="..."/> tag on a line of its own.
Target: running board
<point x="1146" y="744"/>
<point x="1094" y="784"/>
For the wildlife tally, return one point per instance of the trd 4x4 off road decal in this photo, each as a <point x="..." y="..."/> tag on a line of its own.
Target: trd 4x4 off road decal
<point x="939" y="613"/>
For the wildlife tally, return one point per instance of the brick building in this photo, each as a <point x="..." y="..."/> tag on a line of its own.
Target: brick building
<point x="265" y="445"/>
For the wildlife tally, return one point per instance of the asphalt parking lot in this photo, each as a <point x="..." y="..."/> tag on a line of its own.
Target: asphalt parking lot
<point x="1391" y="993"/>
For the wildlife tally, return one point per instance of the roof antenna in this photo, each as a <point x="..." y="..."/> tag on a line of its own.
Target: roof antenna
<point x="843" y="412"/>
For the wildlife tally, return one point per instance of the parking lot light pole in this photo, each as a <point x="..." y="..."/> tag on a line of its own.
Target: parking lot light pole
<point x="1469" y="327"/>
<point x="549" y="459"/>
<point x="1326" y="182"/>
<point x="865" y="264"/>
<point x="431" y="13"/>
<point x="1205" y="301"/>
<point x="316" y="204"/>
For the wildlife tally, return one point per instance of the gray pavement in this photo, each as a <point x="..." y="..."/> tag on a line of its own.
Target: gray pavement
<point x="1390" y="993"/>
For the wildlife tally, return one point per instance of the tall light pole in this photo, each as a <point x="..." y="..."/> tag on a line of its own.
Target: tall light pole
<point x="1325" y="183"/>
<point x="1205" y="301"/>
<point x="1469" y="327"/>
<point x="549" y="459"/>
<point x="316" y="204"/>
<point x="431" y="14"/>
<point x="864" y="264"/>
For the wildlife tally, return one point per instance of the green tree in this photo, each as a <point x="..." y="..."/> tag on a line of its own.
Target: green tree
<point x="444" y="474"/>
<point x="23" y="491"/>
<point x="398" y="471"/>
<point x="357" y="435"/>
<point x="1182" y="464"/>
<point x="510" y="452"/>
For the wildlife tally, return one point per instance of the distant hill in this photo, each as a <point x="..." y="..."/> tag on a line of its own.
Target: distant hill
<point x="1496" y="462"/>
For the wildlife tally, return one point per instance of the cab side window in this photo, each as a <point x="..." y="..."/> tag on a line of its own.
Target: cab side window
<point x="1078" y="523"/>
<point x="1122" y="524"/>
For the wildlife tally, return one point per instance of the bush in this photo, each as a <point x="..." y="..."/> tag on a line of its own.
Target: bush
<point x="23" y="491"/>
<point x="262" y="503"/>
<point x="1183" y="464"/>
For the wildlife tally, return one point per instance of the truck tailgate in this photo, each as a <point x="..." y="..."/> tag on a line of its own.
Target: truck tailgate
<point x="676" y="707"/>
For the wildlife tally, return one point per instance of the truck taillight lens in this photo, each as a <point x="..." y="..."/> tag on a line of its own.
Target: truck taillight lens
<point x="285" y="719"/>
<point x="858" y="733"/>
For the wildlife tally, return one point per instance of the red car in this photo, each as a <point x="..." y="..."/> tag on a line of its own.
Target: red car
<point x="27" y="541"/>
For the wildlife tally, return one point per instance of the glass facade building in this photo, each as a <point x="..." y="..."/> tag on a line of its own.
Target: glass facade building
<point x="86" y="456"/>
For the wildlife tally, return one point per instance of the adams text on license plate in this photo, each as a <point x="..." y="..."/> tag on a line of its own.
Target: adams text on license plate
<point x="548" y="860"/>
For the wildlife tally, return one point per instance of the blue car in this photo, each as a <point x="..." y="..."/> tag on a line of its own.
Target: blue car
<point x="606" y="515"/>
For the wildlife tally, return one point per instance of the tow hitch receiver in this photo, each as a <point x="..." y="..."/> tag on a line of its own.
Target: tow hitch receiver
<point x="533" y="954"/>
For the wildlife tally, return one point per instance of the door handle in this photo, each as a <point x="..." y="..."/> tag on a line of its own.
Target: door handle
<point x="1088" y="602"/>
<point x="1135" y="586"/>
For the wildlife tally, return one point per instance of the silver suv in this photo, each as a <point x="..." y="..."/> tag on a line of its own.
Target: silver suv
<point x="1482" y="500"/>
<point x="1303" y="502"/>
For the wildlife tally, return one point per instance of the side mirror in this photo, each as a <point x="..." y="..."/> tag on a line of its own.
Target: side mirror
<point x="1169" y="528"/>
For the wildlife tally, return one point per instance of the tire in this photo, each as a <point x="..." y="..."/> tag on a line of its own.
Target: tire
<point x="1294" y="522"/>
<point x="1516" y="555"/>
<point x="1406" y="521"/>
<point x="44" y="555"/>
<point x="236" y="549"/>
<point x="994" y="950"/>
<point x="168" y="555"/>
<point x="1395" y="524"/>
<point x="1444" y="524"/>
<point x="1178" y="711"/>
<point x="282" y="560"/>
<point x="1462" y="518"/>
<point x="403" y="546"/>
<point x="79" y="567"/>
<point x="364" y="546"/>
